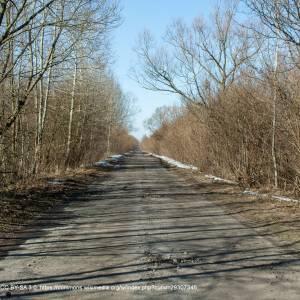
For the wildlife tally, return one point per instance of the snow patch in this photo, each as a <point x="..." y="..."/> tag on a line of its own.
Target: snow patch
<point x="110" y="163"/>
<point x="104" y="164"/>
<point x="56" y="181"/>
<point x="280" y="198"/>
<point x="215" y="178"/>
<point x="174" y="162"/>
<point x="248" y="192"/>
<point x="116" y="156"/>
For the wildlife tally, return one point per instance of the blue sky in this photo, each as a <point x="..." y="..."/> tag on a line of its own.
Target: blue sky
<point x="154" y="15"/>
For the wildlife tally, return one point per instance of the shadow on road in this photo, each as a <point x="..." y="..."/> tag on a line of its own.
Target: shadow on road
<point x="147" y="226"/>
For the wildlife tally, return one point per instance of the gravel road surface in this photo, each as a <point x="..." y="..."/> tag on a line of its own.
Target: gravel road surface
<point x="146" y="233"/>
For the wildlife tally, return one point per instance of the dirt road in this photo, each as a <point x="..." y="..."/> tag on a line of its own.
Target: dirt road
<point x="147" y="228"/>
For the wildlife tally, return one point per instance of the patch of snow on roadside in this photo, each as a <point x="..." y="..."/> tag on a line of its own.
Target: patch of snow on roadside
<point x="282" y="198"/>
<point x="174" y="162"/>
<point x="248" y="192"/>
<point x="215" y="178"/>
<point x="112" y="162"/>
<point x="116" y="156"/>
<point x="103" y="164"/>
<point x="56" y="181"/>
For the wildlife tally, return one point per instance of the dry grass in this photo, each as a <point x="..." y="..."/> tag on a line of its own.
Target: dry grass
<point x="22" y="203"/>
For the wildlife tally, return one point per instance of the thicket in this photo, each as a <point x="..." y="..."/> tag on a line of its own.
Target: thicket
<point x="60" y="106"/>
<point x="239" y="83"/>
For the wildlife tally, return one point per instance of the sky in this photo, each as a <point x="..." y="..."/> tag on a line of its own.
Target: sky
<point x="153" y="15"/>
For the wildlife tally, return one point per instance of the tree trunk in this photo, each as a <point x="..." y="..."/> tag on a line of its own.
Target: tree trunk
<point x="71" y="114"/>
<point x="274" y="119"/>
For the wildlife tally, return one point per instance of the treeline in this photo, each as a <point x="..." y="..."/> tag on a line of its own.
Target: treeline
<point x="239" y="82"/>
<point x="60" y="106"/>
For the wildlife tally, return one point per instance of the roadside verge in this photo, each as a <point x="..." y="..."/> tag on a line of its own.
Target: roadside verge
<point x="277" y="220"/>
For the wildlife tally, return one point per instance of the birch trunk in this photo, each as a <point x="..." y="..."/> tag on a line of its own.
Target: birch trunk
<point x="71" y="113"/>
<point x="274" y="119"/>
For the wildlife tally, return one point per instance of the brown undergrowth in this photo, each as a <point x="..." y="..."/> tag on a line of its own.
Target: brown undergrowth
<point x="23" y="203"/>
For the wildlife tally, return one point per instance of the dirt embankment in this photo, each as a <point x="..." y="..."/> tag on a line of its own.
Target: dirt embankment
<point x="24" y="203"/>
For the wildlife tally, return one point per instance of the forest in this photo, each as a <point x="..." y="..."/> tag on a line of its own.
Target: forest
<point x="238" y="78"/>
<point x="60" y="104"/>
<point x="150" y="149"/>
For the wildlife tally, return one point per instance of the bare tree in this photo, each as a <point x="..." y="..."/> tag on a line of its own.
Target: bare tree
<point x="55" y="86"/>
<point x="32" y="20"/>
<point x="282" y="17"/>
<point x="195" y="61"/>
